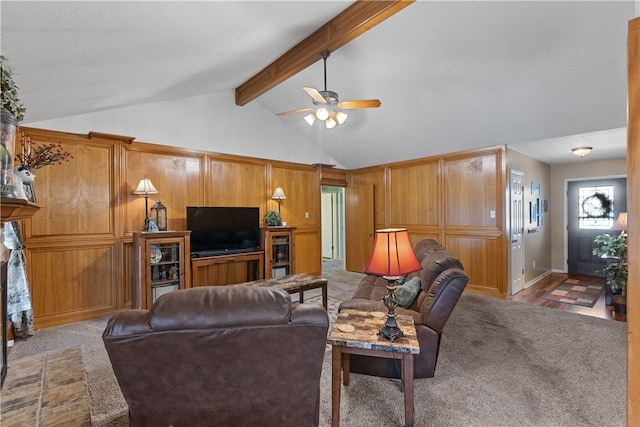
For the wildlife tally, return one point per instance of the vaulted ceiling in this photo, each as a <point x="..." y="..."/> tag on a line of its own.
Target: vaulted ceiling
<point x="542" y="77"/>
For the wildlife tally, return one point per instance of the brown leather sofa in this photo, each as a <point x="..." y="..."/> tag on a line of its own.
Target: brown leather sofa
<point x="220" y="356"/>
<point x="442" y="281"/>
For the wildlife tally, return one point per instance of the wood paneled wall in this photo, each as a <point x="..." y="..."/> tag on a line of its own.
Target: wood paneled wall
<point x="79" y="244"/>
<point x="457" y="199"/>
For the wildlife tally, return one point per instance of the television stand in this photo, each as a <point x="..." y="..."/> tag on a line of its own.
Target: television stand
<point x="203" y="271"/>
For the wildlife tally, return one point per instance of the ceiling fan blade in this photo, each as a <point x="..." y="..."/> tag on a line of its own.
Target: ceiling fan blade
<point x="364" y="103"/>
<point x="315" y="95"/>
<point x="299" y="110"/>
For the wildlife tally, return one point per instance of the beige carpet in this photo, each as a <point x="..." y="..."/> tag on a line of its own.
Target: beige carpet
<point x="501" y="364"/>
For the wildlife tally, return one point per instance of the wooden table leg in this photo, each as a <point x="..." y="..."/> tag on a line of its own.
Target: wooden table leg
<point x="301" y="298"/>
<point x="336" y="369"/>
<point x="346" y="368"/>
<point x="407" y="379"/>
<point x="324" y="296"/>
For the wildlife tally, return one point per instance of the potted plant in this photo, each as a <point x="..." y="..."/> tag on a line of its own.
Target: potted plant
<point x="273" y="219"/>
<point x="12" y="114"/>
<point x="614" y="249"/>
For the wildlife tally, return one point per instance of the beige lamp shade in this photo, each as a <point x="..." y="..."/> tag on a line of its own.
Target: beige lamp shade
<point x="278" y="194"/>
<point x="621" y="222"/>
<point x="145" y="186"/>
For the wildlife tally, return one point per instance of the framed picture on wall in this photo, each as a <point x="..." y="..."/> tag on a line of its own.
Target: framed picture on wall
<point x="535" y="188"/>
<point x="540" y="216"/>
<point x="533" y="212"/>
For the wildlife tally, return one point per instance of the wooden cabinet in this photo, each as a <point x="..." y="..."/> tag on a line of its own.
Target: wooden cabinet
<point x="227" y="269"/>
<point x="278" y="251"/>
<point x="161" y="264"/>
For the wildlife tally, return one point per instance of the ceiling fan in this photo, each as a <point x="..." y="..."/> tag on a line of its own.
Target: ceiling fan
<point x="327" y="106"/>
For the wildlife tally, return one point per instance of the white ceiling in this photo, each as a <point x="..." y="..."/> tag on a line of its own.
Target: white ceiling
<point x="542" y="77"/>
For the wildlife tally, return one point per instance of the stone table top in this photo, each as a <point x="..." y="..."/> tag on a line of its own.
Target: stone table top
<point x="365" y="327"/>
<point x="288" y="283"/>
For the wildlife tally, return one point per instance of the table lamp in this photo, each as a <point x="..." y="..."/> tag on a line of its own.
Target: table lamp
<point x="279" y="195"/>
<point x="145" y="186"/>
<point x="391" y="258"/>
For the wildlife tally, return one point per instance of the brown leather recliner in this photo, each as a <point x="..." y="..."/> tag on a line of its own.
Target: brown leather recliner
<point x="220" y="356"/>
<point x="442" y="281"/>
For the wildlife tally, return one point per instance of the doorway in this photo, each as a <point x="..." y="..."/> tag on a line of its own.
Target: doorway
<point x="516" y="265"/>
<point x="333" y="230"/>
<point x="592" y="206"/>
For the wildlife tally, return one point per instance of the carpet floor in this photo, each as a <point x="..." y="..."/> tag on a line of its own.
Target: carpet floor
<point x="501" y="363"/>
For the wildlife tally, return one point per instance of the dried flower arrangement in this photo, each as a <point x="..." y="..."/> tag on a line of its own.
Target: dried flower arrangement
<point x="36" y="157"/>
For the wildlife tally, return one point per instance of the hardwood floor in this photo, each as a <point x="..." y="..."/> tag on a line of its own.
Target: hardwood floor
<point x="534" y="293"/>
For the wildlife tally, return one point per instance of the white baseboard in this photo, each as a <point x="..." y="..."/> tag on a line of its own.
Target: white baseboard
<point x="537" y="279"/>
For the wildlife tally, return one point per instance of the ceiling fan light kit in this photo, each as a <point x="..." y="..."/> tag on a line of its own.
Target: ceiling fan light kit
<point x="322" y="113"/>
<point x="328" y="108"/>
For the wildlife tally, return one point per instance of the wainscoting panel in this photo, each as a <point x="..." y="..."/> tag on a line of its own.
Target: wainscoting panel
<point x="414" y="194"/>
<point x="177" y="175"/>
<point x="457" y="199"/>
<point x="72" y="283"/>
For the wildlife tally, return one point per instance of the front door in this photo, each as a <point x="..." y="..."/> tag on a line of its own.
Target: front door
<point x="592" y="207"/>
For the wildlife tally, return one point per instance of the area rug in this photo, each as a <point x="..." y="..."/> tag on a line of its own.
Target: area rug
<point x="577" y="292"/>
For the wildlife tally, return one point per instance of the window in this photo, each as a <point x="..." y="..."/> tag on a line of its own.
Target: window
<point x="595" y="207"/>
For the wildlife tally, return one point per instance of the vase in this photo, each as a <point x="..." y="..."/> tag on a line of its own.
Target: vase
<point x="7" y="153"/>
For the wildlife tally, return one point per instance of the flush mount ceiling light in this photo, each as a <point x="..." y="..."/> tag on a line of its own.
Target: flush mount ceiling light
<point x="581" y="151"/>
<point x="327" y="108"/>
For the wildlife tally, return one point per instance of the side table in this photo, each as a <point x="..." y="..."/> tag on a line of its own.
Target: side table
<point x="356" y="332"/>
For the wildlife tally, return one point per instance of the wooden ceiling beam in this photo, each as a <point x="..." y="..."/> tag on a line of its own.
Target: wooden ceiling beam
<point x="346" y="26"/>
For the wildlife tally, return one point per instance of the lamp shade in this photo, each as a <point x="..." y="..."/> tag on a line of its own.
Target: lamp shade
<point x="621" y="222"/>
<point x="392" y="254"/>
<point x="145" y="186"/>
<point x="310" y="118"/>
<point x="278" y="194"/>
<point x="341" y="117"/>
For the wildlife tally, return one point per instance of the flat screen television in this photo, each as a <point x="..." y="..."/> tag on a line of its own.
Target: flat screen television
<point x="218" y="230"/>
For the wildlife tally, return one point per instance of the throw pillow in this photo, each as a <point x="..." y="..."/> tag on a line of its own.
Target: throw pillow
<point x="408" y="292"/>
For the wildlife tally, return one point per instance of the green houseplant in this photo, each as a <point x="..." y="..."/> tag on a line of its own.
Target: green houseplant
<point x="614" y="247"/>
<point x="12" y="114"/>
<point x="273" y="218"/>
<point x="10" y="99"/>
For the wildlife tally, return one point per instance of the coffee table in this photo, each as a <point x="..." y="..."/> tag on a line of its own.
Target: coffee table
<point x="356" y="332"/>
<point x="294" y="283"/>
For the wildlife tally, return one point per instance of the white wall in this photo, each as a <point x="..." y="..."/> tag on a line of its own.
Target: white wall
<point x="209" y="122"/>
<point x="560" y="174"/>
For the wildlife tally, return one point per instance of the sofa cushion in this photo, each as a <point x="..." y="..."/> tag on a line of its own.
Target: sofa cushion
<point x="408" y="292"/>
<point x="435" y="263"/>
